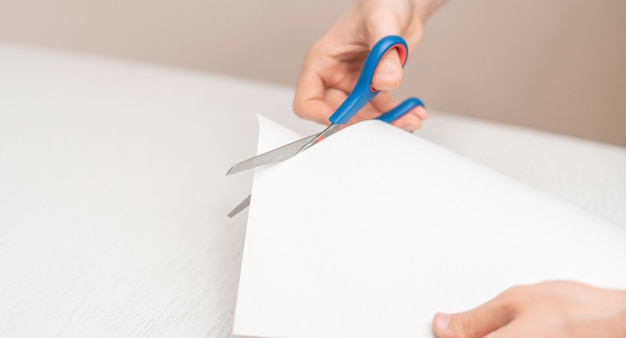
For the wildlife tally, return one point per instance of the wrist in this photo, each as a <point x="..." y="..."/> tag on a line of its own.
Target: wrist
<point x="425" y="8"/>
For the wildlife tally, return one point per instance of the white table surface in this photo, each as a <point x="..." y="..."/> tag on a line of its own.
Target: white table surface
<point x="113" y="198"/>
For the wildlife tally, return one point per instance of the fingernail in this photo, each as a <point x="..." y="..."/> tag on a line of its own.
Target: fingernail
<point x="412" y="127"/>
<point x="410" y="123"/>
<point x="422" y="113"/>
<point x="442" y="320"/>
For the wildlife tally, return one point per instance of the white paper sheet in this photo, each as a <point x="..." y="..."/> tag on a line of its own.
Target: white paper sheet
<point x="372" y="231"/>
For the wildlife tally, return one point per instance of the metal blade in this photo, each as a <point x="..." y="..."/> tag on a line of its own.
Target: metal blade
<point x="277" y="155"/>
<point x="241" y="206"/>
<point x="331" y="129"/>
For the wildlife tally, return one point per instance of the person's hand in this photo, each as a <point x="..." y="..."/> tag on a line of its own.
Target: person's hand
<point x="549" y="309"/>
<point x="333" y="64"/>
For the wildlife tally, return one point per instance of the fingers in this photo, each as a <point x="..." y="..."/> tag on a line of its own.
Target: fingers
<point x="387" y="20"/>
<point x="411" y="121"/>
<point x="388" y="74"/>
<point x="381" y="103"/>
<point x="512" y="330"/>
<point x="335" y="97"/>
<point x="380" y="23"/>
<point x="477" y="322"/>
<point x="309" y="100"/>
<point x="327" y="73"/>
<point x="315" y="102"/>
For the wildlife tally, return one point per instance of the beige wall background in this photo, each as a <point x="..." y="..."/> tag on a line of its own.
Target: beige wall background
<point x="555" y="65"/>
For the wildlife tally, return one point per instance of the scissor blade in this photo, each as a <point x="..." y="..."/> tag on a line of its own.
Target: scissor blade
<point x="241" y="206"/>
<point x="277" y="155"/>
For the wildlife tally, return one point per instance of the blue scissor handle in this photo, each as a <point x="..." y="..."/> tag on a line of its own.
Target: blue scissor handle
<point x="400" y="110"/>
<point x="363" y="91"/>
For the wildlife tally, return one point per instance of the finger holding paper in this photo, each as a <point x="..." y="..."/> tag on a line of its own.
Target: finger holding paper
<point x="549" y="309"/>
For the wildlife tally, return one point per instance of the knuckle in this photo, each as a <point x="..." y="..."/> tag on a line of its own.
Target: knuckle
<point x="297" y="111"/>
<point x="511" y="298"/>
<point x="514" y="291"/>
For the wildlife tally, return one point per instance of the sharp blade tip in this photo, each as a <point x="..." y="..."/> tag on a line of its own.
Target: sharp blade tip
<point x="240" y="207"/>
<point x="233" y="170"/>
<point x="235" y="211"/>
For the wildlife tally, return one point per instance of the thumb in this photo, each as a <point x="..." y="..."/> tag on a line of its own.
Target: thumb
<point x="388" y="74"/>
<point x="477" y="322"/>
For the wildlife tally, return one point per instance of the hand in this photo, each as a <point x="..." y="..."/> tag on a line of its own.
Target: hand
<point x="333" y="64"/>
<point x="549" y="309"/>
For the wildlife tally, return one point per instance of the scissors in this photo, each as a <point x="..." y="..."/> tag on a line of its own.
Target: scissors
<point x="362" y="93"/>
